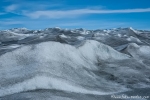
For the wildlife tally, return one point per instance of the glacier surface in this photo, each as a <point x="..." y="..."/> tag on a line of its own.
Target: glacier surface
<point x="95" y="62"/>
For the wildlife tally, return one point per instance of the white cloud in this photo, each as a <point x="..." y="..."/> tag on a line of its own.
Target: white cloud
<point x="7" y="22"/>
<point x="78" y="12"/>
<point x="11" y="8"/>
<point x="55" y="13"/>
<point x="2" y="13"/>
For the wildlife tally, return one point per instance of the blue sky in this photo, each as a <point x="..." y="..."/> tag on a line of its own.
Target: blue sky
<point x="88" y="14"/>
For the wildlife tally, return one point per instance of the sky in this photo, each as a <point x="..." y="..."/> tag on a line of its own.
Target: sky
<point x="71" y="14"/>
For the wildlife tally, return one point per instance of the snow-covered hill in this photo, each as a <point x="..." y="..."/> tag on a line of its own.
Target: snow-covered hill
<point x="80" y="61"/>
